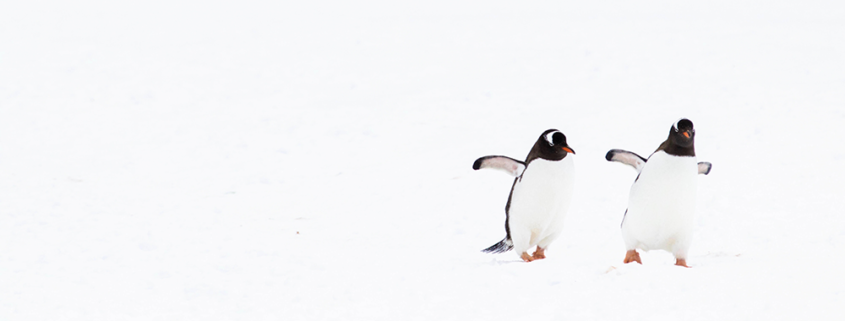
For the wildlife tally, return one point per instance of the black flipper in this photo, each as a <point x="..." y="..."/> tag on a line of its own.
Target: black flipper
<point x="503" y="163"/>
<point x="503" y="246"/>
<point x="626" y="157"/>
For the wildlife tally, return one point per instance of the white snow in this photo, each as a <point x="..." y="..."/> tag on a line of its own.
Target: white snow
<point x="311" y="160"/>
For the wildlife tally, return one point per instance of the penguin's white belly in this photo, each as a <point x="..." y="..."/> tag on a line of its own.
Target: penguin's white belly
<point x="661" y="206"/>
<point x="540" y="201"/>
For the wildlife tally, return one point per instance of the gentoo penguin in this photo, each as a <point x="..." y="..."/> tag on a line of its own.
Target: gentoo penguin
<point x="661" y="205"/>
<point x="539" y="197"/>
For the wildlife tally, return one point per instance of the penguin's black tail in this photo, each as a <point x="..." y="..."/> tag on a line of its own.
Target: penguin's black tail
<point x="503" y="246"/>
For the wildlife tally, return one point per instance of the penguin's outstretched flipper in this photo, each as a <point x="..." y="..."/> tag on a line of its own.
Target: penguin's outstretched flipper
<point x="503" y="163"/>
<point x="704" y="167"/>
<point x="626" y="157"/>
<point x="501" y="247"/>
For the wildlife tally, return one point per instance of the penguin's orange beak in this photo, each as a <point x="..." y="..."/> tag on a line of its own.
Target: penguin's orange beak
<point x="568" y="150"/>
<point x="686" y="134"/>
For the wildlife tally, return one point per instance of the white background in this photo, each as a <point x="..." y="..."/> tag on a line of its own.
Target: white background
<point x="247" y="160"/>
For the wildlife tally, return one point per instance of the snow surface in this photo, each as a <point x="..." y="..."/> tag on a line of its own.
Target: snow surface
<point x="311" y="160"/>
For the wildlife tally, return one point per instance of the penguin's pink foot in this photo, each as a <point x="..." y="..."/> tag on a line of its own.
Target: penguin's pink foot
<point x="681" y="262"/>
<point x="525" y="257"/>
<point x="632" y="256"/>
<point x="539" y="254"/>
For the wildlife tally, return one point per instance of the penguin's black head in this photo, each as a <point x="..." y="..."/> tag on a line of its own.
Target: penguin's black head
<point x="553" y="142"/>
<point x="682" y="133"/>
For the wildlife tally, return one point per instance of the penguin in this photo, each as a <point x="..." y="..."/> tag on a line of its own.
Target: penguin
<point x="661" y="203"/>
<point x="539" y="197"/>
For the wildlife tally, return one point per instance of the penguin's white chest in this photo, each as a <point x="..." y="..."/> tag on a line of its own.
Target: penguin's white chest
<point x="541" y="197"/>
<point x="661" y="205"/>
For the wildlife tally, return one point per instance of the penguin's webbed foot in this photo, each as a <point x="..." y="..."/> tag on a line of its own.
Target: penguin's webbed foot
<point x="525" y="257"/>
<point x="539" y="254"/>
<point x="681" y="262"/>
<point x="632" y="256"/>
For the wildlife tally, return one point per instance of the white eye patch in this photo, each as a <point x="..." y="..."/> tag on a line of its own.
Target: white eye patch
<point x="550" y="137"/>
<point x="676" y="125"/>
